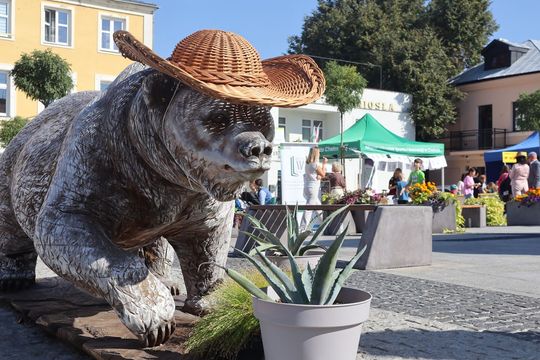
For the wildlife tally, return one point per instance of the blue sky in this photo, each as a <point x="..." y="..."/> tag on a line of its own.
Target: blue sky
<point x="268" y="24"/>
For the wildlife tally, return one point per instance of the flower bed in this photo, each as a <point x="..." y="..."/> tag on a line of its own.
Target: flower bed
<point x="524" y="209"/>
<point x="447" y="215"/>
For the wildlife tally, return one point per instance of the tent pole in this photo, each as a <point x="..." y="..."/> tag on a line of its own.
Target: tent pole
<point x="442" y="178"/>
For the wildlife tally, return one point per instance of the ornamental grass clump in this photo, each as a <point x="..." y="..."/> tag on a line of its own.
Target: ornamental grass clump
<point x="230" y="327"/>
<point x="318" y="286"/>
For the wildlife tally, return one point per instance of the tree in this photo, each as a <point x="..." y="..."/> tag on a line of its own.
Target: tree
<point x="528" y="111"/>
<point x="43" y="76"/>
<point x="10" y="128"/>
<point x="401" y="37"/>
<point x="464" y="27"/>
<point x="344" y="87"/>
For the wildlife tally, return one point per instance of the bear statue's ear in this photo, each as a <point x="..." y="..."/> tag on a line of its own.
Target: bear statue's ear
<point x="158" y="89"/>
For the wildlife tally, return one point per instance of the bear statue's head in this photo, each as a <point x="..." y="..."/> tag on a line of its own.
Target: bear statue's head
<point x="218" y="145"/>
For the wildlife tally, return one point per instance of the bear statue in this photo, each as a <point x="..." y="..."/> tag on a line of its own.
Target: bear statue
<point x="103" y="186"/>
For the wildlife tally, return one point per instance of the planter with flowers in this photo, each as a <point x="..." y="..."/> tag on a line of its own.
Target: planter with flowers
<point x="524" y="209"/>
<point x="446" y="209"/>
<point x="360" y="197"/>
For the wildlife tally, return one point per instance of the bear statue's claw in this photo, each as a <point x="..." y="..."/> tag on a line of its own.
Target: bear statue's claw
<point x="158" y="336"/>
<point x="174" y="290"/>
<point x="15" y="284"/>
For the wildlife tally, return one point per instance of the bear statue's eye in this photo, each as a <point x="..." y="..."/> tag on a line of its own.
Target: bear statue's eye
<point x="217" y="122"/>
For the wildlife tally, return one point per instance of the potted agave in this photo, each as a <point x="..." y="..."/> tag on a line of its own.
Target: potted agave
<point x="304" y="250"/>
<point x="308" y="315"/>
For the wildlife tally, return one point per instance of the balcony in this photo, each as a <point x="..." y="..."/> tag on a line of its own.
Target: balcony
<point x="481" y="139"/>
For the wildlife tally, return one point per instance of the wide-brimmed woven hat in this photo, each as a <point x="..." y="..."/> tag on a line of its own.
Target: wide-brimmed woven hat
<point x="224" y="65"/>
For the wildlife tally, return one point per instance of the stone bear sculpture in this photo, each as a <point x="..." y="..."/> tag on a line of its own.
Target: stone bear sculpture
<point x="96" y="179"/>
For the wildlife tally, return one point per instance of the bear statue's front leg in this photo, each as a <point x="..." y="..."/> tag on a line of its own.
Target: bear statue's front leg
<point x="76" y="248"/>
<point x="160" y="257"/>
<point x="204" y="237"/>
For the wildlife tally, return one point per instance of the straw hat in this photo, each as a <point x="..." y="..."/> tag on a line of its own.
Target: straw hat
<point x="521" y="154"/>
<point x="224" y="65"/>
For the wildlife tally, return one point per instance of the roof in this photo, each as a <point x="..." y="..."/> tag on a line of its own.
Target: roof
<point x="368" y="136"/>
<point x="526" y="64"/>
<point x="138" y="2"/>
<point x="532" y="143"/>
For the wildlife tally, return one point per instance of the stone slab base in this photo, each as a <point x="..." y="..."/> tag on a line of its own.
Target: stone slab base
<point x="90" y="324"/>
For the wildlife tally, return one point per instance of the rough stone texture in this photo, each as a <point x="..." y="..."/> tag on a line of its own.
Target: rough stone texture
<point x="149" y="167"/>
<point x="397" y="236"/>
<point x="389" y="335"/>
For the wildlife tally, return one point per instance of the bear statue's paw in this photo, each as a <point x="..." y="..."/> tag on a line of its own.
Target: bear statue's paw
<point x="196" y="305"/>
<point x="158" y="335"/>
<point x="147" y="308"/>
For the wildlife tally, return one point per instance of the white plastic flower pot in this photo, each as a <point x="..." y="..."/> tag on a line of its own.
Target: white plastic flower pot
<point x="302" y="261"/>
<point x="313" y="332"/>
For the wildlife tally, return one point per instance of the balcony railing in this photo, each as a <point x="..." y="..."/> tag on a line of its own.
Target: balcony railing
<point x="481" y="139"/>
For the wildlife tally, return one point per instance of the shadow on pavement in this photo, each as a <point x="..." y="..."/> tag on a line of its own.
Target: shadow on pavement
<point x="519" y="244"/>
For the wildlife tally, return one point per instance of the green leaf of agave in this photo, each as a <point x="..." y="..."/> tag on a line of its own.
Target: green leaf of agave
<point x="292" y="227"/>
<point x="273" y="239"/>
<point x="274" y="281"/>
<point x="261" y="248"/>
<point x="245" y="283"/>
<point x="303" y="249"/>
<point x="322" y="282"/>
<point x="307" y="280"/>
<point x="325" y="223"/>
<point x="343" y="276"/>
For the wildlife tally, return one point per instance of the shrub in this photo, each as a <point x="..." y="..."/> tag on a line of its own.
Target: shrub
<point x="494" y="209"/>
<point x="230" y="325"/>
<point x="10" y="128"/>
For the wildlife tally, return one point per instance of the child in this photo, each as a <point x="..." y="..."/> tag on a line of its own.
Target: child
<point x="401" y="190"/>
<point x="417" y="175"/>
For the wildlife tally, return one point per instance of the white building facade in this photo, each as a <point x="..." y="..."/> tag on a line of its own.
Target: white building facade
<point x="297" y="125"/>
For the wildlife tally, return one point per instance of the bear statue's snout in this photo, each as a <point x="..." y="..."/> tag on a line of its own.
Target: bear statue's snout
<point x="255" y="149"/>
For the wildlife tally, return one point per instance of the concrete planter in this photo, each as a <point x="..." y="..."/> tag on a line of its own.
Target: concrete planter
<point x="283" y="261"/>
<point x="360" y="218"/>
<point x="517" y="214"/>
<point x="337" y="225"/>
<point x="444" y="218"/>
<point x="313" y="332"/>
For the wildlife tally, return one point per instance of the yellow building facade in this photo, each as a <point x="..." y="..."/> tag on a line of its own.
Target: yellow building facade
<point x="80" y="31"/>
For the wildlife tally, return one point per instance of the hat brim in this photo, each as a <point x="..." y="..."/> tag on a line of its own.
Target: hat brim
<point x="294" y="80"/>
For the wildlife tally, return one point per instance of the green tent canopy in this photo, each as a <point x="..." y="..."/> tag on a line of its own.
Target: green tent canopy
<point x="368" y="136"/>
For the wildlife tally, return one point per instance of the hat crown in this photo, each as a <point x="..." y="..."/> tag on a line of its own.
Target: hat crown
<point x="220" y="57"/>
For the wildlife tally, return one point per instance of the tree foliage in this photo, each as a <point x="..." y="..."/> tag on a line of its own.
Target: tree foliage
<point x="43" y="76"/>
<point x="344" y="86"/>
<point x="413" y="42"/>
<point x="528" y="109"/>
<point x="10" y="128"/>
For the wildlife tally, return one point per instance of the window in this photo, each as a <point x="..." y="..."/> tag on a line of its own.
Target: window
<point x="108" y="27"/>
<point x="282" y="126"/>
<point x="104" y="84"/>
<point x="4" y="93"/>
<point x="5" y="21"/>
<point x="306" y="130"/>
<point x="515" y="117"/>
<point x="317" y="124"/>
<point x="57" y="26"/>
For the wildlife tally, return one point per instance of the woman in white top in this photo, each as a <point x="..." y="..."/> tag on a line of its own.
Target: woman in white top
<point x="312" y="182"/>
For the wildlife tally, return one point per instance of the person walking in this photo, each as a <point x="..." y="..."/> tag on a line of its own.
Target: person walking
<point x="401" y="189"/>
<point x="519" y="175"/>
<point x="503" y="184"/>
<point x="468" y="183"/>
<point x="337" y="181"/>
<point x="393" y="182"/>
<point x="534" y="170"/>
<point x="312" y="182"/>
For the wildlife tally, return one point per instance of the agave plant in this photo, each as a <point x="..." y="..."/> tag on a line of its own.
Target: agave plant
<point x="296" y="239"/>
<point x="319" y="286"/>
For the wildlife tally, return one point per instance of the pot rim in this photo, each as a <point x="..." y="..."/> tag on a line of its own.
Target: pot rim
<point x="311" y="306"/>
